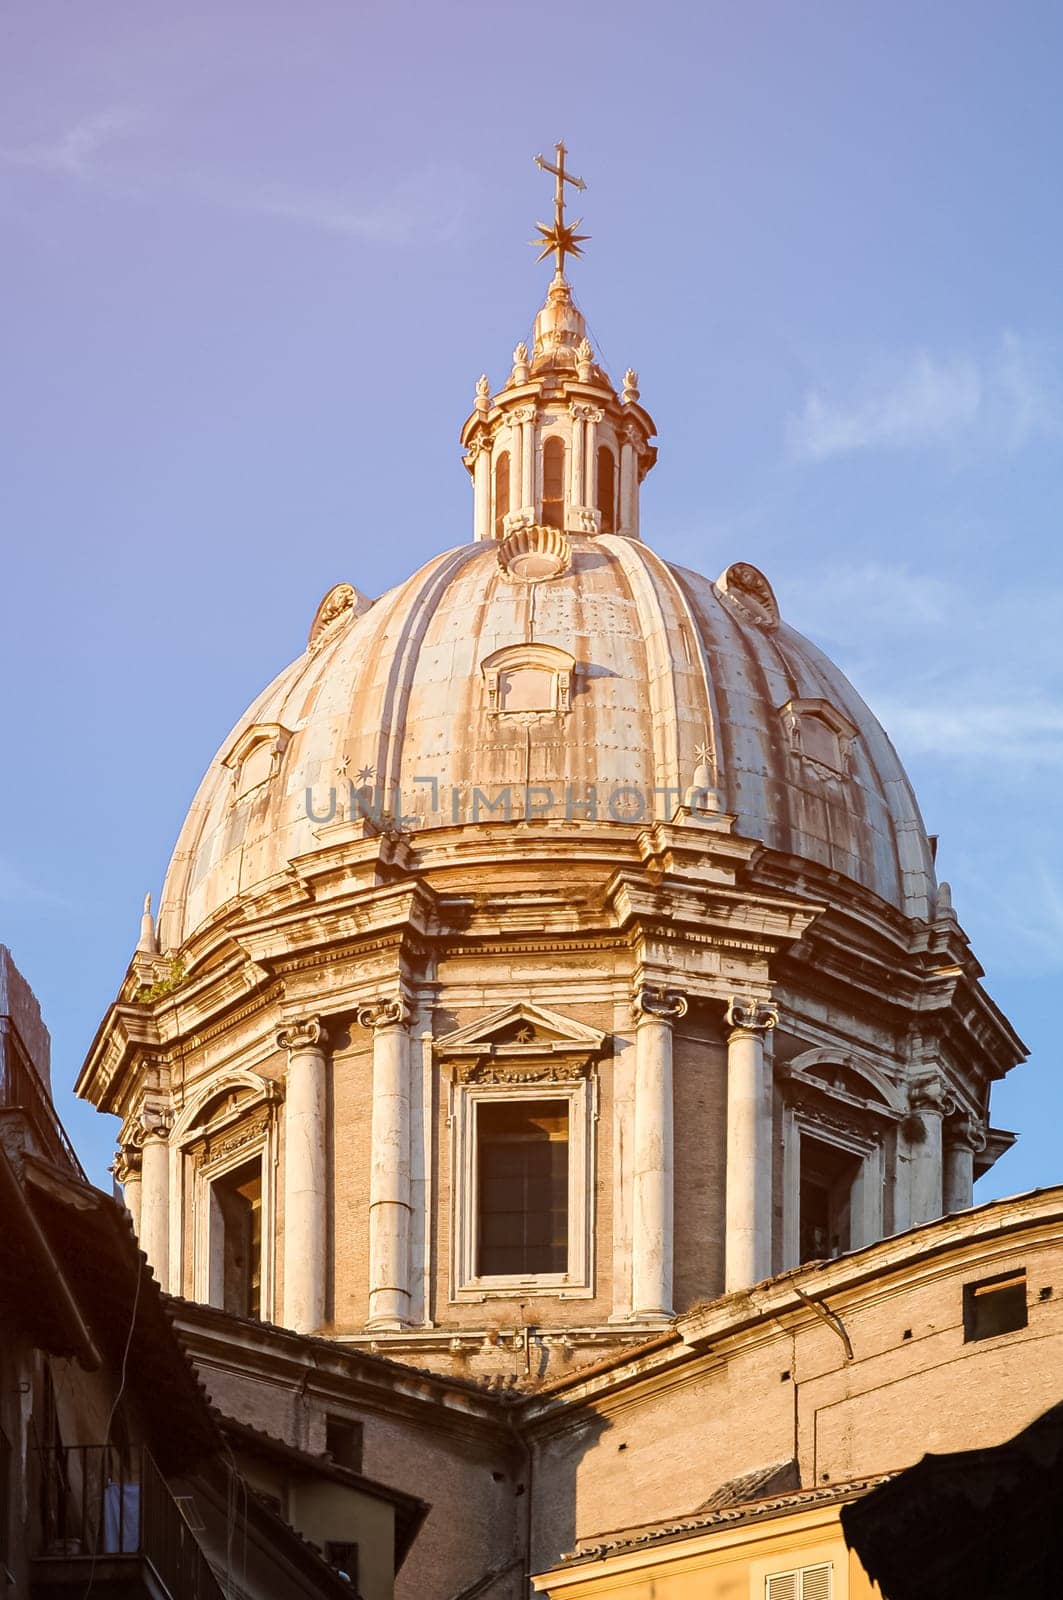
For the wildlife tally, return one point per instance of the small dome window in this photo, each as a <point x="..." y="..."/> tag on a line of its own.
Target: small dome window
<point x="820" y="736"/>
<point x="256" y="756"/>
<point x="533" y="678"/>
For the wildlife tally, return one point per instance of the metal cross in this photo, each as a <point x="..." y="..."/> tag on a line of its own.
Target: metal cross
<point x="561" y="240"/>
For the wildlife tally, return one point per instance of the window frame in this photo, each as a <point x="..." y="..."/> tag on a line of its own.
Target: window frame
<point x="865" y="1196"/>
<point x="250" y="1156"/>
<point x="984" y="1288"/>
<point x="467" y="1283"/>
<point x="206" y="1151"/>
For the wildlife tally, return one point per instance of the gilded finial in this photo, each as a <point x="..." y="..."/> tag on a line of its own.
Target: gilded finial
<point x="561" y="239"/>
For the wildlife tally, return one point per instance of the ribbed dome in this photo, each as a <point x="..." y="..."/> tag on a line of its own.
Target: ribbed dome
<point x="666" y="677"/>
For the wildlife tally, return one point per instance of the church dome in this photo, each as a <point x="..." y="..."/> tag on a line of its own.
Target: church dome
<point x="554" y="945"/>
<point x="561" y="676"/>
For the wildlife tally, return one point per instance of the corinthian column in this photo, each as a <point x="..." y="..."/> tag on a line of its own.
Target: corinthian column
<point x="305" y="1175"/>
<point x="154" y="1228"/>
<point x="652" y="1233"/>
<point x="390" y="1200"/>
<point x="526" y="416"/>
<point x="929" y="1101"/>
<point x="575" y="488"/>
<point x="747" y="1250"/>
<point x="963" y="1137"/>
<point x="481" y="482"/>
<point x="590" y="469"/>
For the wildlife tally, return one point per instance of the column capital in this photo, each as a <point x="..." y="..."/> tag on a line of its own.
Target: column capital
<point x="931" y="1094"/>
<point x="748" y="1016"/>
<point x="394" y="1013"/>
<point x="307" y="1033"/>
<point x="127" y="1163"/>
<point x="653" y="1002"/>
<point x="153" y="1121"/>
<point x="968" y="1132"/>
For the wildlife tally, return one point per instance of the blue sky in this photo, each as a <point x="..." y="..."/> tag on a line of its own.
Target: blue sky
<point x="254" y="258"/>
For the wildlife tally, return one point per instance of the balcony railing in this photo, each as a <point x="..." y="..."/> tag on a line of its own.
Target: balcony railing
<point x="21" y="1089"/>
<point x="101" y="1505"/>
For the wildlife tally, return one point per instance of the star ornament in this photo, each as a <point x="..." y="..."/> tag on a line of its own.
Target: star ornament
<point x="560" y="239"/>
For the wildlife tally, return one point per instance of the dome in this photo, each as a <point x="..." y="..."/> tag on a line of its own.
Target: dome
<point x="470" y="693"/>
<point x="557" y="943"/>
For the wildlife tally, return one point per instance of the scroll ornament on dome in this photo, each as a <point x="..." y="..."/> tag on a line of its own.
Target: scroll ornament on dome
<point x="342" y="603"/>
<point x="749" y="591"/>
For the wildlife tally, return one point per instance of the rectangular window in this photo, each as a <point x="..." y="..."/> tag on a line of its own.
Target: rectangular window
<point x="343" y="1442"/>
<point x="343" y="1555"/>
<point x="522" y="1211"/>
<point x="802" y="1583"/>
<point x="236" y="1240"/>
<point x="827" y="1178"/>
<point x="995" y="1306"/>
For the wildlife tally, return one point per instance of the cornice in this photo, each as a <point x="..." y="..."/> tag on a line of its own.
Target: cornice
<point x="887" y="1268"/>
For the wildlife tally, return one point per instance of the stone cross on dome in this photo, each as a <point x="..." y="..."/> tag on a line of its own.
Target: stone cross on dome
<point x="561" y="239"/>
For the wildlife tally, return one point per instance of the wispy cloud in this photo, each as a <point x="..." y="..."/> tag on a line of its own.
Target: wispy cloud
<point x="76" y="152"/>
<point x="986" y="731"/>
<point x="928" y="401"/>
<point x="847" y="601"/>
<point x="424" y="205"/>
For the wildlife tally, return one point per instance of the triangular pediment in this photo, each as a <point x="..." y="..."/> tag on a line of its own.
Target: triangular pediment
<point x="521" y="1026"/>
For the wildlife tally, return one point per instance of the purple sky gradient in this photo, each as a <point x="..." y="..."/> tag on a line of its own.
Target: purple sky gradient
<point x="254" y="257"/>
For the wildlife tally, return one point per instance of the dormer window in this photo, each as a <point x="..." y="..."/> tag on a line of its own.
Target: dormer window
<point x="528" y="678"/>
<point x="256" y="756"/>
<point x="820" y="736"/>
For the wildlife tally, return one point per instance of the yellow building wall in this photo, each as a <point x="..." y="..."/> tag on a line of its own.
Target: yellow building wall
<point x="724" y="1564"/>
<point x="323" y="1511"/>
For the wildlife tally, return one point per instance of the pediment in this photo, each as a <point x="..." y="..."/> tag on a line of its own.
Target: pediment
<point x="522" y="1029"/>
<point x="845" y="1077"/>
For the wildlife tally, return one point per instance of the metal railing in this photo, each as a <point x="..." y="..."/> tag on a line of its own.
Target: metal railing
<point x="100" y="1503"/>
<point x="21" y="1089"/>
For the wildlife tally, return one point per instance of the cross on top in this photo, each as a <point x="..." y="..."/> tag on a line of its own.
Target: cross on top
<point x="561" y="239"/>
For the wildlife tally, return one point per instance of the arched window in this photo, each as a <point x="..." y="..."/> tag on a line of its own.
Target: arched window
<point x="501" y="493"/>
<point x="554" y="483"/>
<point x="607" y="489"/>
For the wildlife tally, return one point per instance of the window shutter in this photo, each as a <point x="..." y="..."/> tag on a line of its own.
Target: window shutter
<point x="804" y="1583"/>
<point x="815" y="1583"/>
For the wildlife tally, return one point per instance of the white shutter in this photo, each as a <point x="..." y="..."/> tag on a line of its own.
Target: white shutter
<point x="815" y="1583"/>
<point x="804" y="1583"/>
